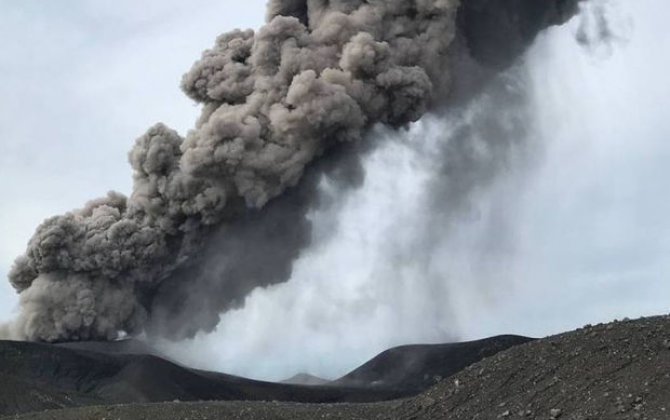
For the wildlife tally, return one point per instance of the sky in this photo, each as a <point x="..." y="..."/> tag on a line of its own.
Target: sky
<point x="590" y="226"/>
<point x="80" y="80"/>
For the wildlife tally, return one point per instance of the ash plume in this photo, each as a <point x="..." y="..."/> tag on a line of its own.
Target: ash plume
<point x="216" y="213"/>
<point x="220" y="277"/>
<point x="317" y="74"/>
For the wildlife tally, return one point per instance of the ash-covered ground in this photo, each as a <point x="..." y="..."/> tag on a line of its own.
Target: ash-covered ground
<point x="619" y="370"/>
<point x="42" y="376"/>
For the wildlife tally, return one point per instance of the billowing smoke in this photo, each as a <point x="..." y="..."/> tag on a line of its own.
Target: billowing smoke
<point x="273" y="101"/>
<point x="311" y="82"/>
<point x="222" y="276"/>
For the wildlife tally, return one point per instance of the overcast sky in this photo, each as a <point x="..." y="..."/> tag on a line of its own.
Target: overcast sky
<point x="79" y="81"/>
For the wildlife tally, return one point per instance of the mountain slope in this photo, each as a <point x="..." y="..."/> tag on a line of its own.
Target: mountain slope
<point x="70" y="375"/>
<point x="419" y="367"/>
<point x="614" y="371"/>
<point x="40" y="376"/>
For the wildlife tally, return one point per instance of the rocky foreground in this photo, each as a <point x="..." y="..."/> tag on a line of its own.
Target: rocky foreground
<point x="614" y="371"/>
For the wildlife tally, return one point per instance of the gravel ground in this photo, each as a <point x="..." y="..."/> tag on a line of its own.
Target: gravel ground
<point x="224" y="410"/>
<point x="613" y="371"/>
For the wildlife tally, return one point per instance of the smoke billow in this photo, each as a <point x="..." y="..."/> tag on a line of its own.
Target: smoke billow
<point x="310" y="83"/>
<point x="431" y="223"/>
<point x="221" y="276"/>
<point x="272" y="102"/>
<point x="599" y="30"/>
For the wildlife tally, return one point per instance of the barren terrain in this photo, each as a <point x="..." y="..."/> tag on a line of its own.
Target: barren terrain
<point x="613" y="371"/>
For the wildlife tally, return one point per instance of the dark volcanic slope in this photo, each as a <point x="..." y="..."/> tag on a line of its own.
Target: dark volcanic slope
<point x="40" y="376"/>
<point x="17" y="394"/>
<point x="130" y="346"/>
<point x="419" y="367"/>
<point x="71" y="375"/>
<point x="614" y="371"/>
<point x="305" y="379"/>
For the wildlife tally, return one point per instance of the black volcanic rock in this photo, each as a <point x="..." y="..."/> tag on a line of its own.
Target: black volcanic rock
<point x="418" y="367"/>
<point x="71" y="375"/>
<point x="129" y="346"/>
<point x="67" y="377"/>
<point x="19" y="395"/>
<point x="619" y="370"/>
<point x="615" y="371"/>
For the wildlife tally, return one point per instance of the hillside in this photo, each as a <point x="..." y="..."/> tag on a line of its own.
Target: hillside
<point x="35" y="377"/>
<point x="419" y="367"/>
<point x="613" y="371"/>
